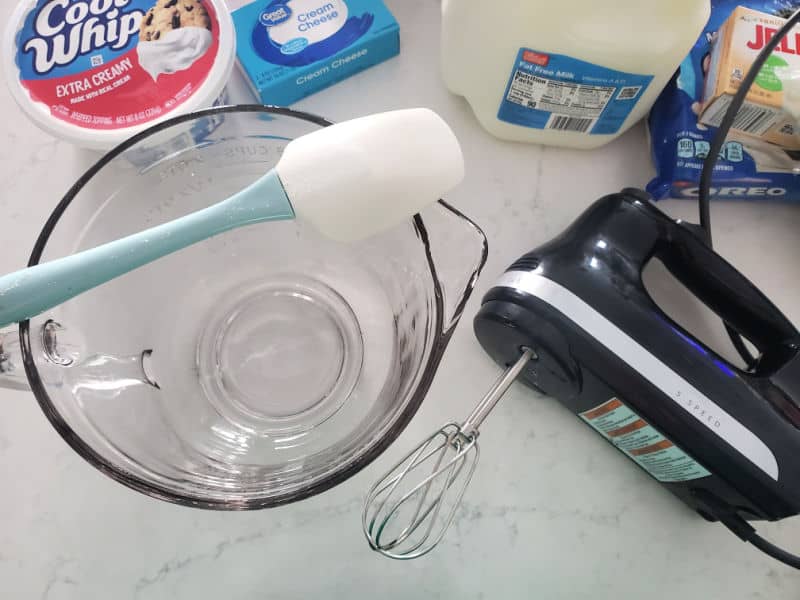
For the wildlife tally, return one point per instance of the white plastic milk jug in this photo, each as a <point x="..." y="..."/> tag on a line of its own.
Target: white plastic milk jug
<point x="574" y="74"/>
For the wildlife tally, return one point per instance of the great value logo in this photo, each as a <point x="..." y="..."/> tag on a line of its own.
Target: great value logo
<point x="275" y="14"/>
<point x="66" y="29"/>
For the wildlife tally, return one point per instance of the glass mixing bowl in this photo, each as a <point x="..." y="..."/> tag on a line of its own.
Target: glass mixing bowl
<point x="255" y="368"/>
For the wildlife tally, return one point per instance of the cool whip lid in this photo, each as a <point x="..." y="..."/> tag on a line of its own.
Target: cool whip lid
<point x="94" y="72"/>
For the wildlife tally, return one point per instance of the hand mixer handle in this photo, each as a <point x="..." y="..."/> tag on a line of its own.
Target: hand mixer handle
<point x="722" y="288"/>
<point x="635" y="231"/>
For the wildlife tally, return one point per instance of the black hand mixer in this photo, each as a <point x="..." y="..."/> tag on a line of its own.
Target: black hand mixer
<point x="573" y="319"/>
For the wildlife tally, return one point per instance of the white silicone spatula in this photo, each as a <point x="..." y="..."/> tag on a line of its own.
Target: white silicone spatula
<point x="349" y="180"/>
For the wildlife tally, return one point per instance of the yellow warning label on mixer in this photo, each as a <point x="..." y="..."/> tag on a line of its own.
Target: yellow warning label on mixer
<point x="640" y="441"/>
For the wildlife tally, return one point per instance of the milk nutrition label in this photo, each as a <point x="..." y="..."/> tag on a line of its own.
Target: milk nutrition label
<point x="551" y="91"/>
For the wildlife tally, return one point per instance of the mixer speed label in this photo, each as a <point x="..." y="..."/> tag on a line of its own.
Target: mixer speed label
<point x="641" y="442"/>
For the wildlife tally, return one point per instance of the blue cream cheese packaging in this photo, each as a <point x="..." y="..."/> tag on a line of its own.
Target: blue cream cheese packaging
<point x="289" y="49"/>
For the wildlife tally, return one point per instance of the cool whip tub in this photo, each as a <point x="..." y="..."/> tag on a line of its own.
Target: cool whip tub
<point x="95" y="72"/>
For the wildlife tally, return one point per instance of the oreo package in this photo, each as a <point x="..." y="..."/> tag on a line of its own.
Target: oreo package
<point x="750" y="167"/>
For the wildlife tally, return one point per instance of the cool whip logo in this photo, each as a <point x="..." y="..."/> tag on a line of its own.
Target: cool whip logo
<point x="67" y="29"/>
<point x="309" y="20"/>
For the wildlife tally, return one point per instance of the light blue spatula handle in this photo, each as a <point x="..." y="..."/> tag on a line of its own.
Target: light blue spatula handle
<point x="31" y="291"/>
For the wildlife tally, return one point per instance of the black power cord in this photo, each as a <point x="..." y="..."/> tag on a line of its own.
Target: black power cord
<point x="717" y="142"/>
<point x="772" y="550"/>
<point x="727" y="515"/>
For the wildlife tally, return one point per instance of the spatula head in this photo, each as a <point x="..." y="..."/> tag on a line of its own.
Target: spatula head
<point x="359" y="177"/>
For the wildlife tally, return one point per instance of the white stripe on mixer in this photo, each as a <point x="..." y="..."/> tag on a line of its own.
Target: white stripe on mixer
<point x="668" y="381"/>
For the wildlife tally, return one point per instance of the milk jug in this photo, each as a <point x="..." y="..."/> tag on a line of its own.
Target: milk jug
<point x="575" y="74"/>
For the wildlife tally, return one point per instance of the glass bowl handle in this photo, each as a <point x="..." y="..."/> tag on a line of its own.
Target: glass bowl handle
<point x="458" y="250"/>
<point x="67" y="363"/>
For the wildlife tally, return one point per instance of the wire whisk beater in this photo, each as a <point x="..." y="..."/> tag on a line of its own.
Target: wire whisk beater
<point x="408" y="511"/>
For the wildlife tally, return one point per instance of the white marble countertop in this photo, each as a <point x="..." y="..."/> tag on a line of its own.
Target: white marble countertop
<point x="553" y="512"/>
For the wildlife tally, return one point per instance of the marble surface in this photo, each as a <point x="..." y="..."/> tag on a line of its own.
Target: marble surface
<point x="553" y="512"/>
